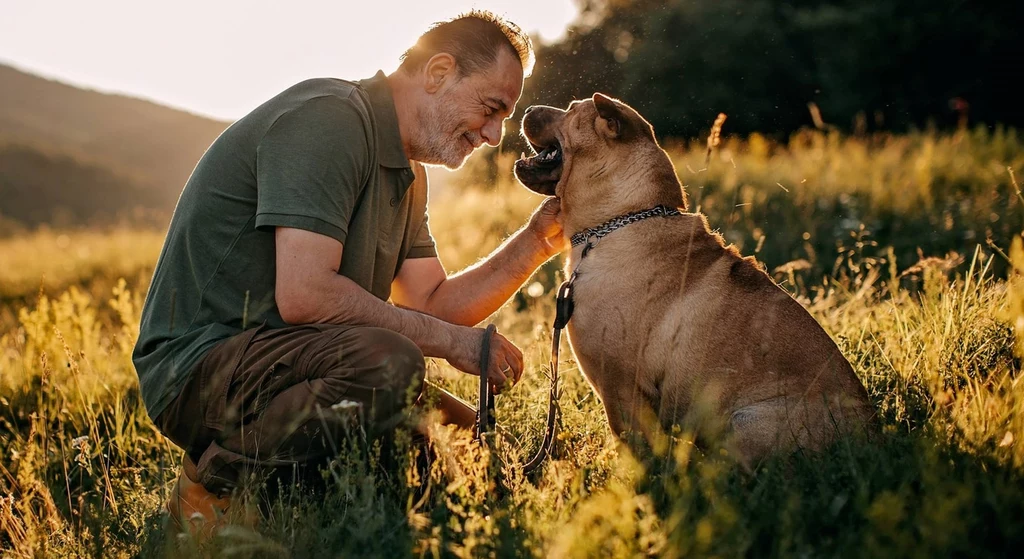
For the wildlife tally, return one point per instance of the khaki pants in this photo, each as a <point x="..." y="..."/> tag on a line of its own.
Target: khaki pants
<point x="280" y="399"/>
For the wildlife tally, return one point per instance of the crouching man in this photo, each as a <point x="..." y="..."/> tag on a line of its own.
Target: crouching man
<point x="269" y="306"/>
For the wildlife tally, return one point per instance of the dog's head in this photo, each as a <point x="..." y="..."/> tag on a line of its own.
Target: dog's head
<point x="599" y="154"/>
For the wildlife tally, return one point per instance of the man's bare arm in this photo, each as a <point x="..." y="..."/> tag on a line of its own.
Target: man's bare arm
<point x="472" y="295"/>
<point x="309" y="289"/>
<point x="475" y="293"/>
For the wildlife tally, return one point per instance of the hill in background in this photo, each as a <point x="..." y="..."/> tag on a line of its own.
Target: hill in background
<point x="71" y="156"/>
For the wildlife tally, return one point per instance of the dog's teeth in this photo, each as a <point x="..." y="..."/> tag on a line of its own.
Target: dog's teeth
<point x="522" y="155"/>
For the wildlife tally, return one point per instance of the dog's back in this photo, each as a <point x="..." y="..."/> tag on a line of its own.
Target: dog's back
<point x="765" y="364"/>
<point x="686" y="330"/>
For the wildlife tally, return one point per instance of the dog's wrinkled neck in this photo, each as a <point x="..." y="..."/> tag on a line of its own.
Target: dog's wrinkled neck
<point x="634" y="188"/>
<point x="595" y="234"/>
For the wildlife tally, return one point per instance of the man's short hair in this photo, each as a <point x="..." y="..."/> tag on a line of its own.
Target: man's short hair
<point x="474" y="39"/>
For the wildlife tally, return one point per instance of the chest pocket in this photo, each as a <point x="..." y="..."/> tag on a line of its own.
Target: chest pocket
<point x="388" y="203"/>
<point x="393" y="209"/>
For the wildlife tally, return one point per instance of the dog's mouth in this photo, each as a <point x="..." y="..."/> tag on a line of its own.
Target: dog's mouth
<point x="541" y="172"/>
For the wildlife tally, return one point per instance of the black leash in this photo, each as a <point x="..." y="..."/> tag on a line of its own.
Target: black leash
<point x="563" y="311"/>
<point x="564" y="306"/>
<point x="485" y="421"/>
<point x="485" y="411"/>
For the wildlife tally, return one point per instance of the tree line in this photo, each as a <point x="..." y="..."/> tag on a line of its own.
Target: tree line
<point x="775" y="66"/>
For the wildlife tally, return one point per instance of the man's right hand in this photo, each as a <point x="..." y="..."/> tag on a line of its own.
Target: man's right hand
<point x="506" y="362"/>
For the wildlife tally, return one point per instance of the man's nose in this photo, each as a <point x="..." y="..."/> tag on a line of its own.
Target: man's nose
<point x="492" y="132"/>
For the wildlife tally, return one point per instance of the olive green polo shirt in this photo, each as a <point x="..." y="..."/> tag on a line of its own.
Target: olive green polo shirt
<point x="325" y="156"/>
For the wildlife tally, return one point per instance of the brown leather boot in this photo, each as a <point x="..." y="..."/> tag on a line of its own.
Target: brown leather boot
<point x="194" y="509"/>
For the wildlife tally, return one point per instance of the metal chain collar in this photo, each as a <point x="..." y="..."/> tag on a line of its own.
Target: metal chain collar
<point x="622" y="220"/>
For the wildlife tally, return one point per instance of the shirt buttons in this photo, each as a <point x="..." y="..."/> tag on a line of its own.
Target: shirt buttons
<point x="393" y="201"/>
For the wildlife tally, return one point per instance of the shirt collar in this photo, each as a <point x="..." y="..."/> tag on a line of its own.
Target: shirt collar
<point x="390" y="152"/>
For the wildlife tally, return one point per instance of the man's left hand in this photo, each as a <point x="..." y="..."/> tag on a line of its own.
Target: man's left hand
<point x="546" y="224"/>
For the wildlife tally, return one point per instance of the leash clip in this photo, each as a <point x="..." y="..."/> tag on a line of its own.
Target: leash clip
<point x="590" y="245"/>
<point x="564" y="304"/>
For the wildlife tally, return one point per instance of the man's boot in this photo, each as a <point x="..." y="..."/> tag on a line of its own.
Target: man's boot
<point x="194" y="509"/>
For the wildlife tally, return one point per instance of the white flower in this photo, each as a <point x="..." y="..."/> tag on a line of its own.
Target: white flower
<point x="346" y="405"/>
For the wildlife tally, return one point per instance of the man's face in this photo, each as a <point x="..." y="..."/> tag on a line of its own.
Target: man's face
<point x="467" y="112"/>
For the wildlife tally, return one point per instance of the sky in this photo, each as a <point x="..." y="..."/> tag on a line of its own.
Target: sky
<point x="222" y="58"/>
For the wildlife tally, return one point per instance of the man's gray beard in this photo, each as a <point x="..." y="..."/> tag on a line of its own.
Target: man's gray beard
<point x="432" y="147"/>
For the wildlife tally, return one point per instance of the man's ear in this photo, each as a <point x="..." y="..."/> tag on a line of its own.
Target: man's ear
<point x="610" y="111"/>
<point x="439" y="69"/>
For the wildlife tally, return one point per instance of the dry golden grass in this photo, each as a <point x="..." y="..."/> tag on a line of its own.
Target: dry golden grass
<point x="53" y="260"/>
<point x="84" y="472"/>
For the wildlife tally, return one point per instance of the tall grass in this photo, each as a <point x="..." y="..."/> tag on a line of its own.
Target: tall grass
<point x="937" y="342"/>
<point x="47" y="261"/>
<point x="802" y="200"/>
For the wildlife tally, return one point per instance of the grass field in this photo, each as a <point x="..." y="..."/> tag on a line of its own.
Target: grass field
<point x="900" y="246"/>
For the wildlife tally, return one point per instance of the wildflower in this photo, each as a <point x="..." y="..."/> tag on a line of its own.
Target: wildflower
<point x="81" y="444"/>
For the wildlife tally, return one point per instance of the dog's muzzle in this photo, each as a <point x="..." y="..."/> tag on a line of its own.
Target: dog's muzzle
<point x="542" y="171"/>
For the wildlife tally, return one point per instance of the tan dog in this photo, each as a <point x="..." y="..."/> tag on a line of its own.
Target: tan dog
<point x="669" y="323"/>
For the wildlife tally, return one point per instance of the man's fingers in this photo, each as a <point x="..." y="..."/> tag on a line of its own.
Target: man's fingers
<point x="506" y="364"/>
<point x="516" y="363"/>
<point x="515" y="354"/>
<point x="514" y="359"/>
<point x="498" y="377"/>
<point x="515" y="371"/>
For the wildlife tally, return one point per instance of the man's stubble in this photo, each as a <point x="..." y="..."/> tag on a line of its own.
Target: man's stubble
<point x="439" y="142"/>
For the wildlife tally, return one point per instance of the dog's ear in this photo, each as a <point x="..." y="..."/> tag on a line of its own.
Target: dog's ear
<point x="616" y="122"/>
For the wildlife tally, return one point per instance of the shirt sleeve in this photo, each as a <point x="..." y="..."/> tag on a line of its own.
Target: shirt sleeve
<point x="423" y="244"/>
<point x="312" y="166"/>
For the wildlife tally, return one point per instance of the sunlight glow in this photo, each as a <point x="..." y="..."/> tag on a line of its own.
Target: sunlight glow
<point x="222" y="58"/>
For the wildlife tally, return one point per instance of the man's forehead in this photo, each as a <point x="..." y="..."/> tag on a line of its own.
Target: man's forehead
<point x="504" y="81"/>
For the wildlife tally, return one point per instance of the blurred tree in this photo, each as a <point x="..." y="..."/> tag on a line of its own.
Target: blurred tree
<point x="885" y="64"/>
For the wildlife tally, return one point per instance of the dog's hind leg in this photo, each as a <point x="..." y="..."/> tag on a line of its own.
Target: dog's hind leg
<point x="632" y="418"/>
<point x="767" y="427"/>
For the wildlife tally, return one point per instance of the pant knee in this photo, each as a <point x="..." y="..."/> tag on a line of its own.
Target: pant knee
<point x="399" y="363"/>
<point x="381" y="370"/>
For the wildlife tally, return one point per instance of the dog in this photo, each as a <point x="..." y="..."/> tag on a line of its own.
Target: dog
<point x="670" y="326"/>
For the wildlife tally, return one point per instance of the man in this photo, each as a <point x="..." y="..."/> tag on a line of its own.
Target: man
<point x="267" y="320"/>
